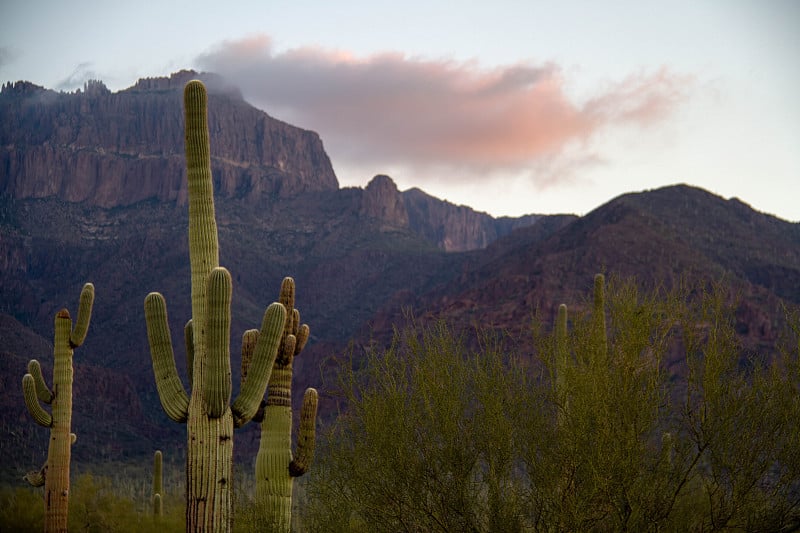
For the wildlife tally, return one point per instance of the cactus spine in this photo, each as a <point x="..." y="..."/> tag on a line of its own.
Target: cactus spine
<point x="54" y="475"/>
<point x="276" y="467"/>
<point x="207" y="410"/>
<point x="158" y="480"/>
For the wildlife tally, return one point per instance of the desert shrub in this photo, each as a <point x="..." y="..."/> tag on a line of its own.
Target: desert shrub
<point x="21" y="509"/>
<point x="595" y="433"/>
<point x="96" y="504"/>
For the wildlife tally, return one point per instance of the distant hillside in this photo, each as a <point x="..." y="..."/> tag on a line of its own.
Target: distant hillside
<point x="658" y="237"/>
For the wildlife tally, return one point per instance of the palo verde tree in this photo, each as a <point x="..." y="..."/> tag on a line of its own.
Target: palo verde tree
<point x="54" y="475"/>
<point x="425" y="442"/>
<point x="596" y="432"/>
<point x="208" y="412"/>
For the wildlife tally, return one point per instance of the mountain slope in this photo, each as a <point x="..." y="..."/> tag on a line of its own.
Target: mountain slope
<point x="659" y="237"/>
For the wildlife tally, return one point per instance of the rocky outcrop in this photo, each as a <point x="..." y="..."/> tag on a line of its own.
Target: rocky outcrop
<point x="456" y="228"/>
<point x="382" y="201"/>
<point x="453" y="228"/>
<point x="111" y="149"/>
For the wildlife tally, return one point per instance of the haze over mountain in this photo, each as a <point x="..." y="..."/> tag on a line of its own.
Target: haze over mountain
<point x="92" y="189"/>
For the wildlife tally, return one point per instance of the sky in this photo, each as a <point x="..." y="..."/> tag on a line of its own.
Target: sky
<point x="510" y="106"/>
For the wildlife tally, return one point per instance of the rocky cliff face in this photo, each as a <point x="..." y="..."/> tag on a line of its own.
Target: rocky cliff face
<point x="453" y="228"/>
<point x="108" y="150"/>
<point x="111" y="149"/>
<point x="382" y="201"/>
<point x="456" y="228"/>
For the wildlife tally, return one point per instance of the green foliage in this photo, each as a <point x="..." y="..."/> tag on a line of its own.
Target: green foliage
<point x="21" y="510"/>
<point x="427" y="441"/>
<point x="97" y="504"/>
<point x="596" y="433"/>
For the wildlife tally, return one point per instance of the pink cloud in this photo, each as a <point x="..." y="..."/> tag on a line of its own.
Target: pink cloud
<point x="392" y="109"/>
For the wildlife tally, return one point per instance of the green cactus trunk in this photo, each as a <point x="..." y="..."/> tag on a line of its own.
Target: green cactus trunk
<point x="276" y="467"/>
<point x="210" y="439"/>
<point x="273" y="483"/>
<point x="55" y="474"/>
<point x="56" y="485"/>
<point x="209" y="415"/>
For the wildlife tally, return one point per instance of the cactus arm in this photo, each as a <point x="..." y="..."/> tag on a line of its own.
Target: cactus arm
<point x="306" y="438"/>
<point x="43" y="392"/>
<point x="260" y="370"/>
<point x="249" y="340"/>
<point x="73" y="438"/>
<point x="287" y="299"/>
<point x="188" y="339"/>
<point x="78" y="334"/>
<point x="36" y="478"/>
<point x="301" y="335"/>
<point x="170" y="389"/>
<point x="42" y="417"/>
<point x="217" y="386"/>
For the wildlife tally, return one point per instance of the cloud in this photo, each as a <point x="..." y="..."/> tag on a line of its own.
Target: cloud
<point x="7" y="55"/>
<point x="393" y="110"/>
<point x="82" y="73"/>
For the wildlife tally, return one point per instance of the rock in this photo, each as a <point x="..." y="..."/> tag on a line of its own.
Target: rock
<point x="456" y="228"/>
<point x="381" y="200"/>
<point x="112" y="149"/>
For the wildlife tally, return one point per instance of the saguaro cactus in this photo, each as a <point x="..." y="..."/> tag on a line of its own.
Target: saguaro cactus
<point x="276" y="467"/>
<point x="54" y="475"/>
<point x="158" y="489"/>
<point x="209" y="415"/>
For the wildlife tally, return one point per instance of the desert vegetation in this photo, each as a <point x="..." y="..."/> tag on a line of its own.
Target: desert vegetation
<point x="446" y="431"/>
<point x="593" y="434"/>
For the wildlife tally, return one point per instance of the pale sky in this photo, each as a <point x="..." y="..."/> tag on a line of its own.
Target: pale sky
<point x="510" y="107"/>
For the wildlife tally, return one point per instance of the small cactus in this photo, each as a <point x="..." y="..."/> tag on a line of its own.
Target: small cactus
<point x="158" y="490"/>
<point x="54" y="475"/>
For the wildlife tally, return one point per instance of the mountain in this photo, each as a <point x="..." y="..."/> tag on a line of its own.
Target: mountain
<point x="91" y="189"/>
<point x="113" y="149"/>
<point x="660" y="237"/>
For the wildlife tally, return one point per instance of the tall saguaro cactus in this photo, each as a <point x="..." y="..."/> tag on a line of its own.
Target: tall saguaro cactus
<point x="207" y="410"/>
<point x="276" y="467"/>
<point x="54" y="475"/>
